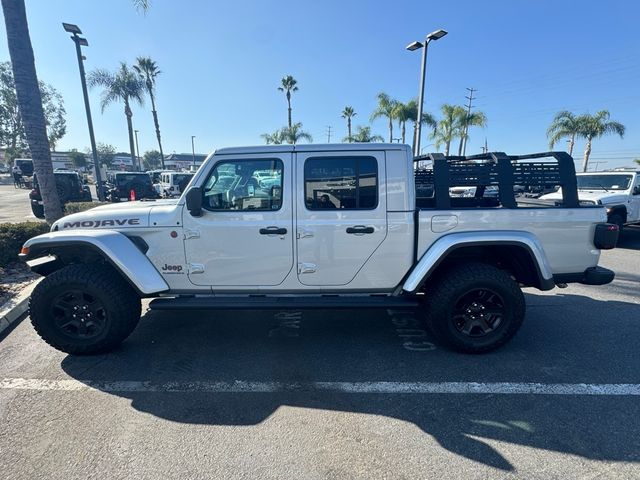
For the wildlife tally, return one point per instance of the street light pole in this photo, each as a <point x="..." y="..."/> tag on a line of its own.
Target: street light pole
<point x="423" y="74"/>
<point x="193" y="150"/>
<point x="137" y="149"/>
<point x="79" y="41"/>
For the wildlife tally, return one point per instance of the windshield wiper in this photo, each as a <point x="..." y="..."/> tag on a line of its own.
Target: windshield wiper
<point x="603" y="187"/>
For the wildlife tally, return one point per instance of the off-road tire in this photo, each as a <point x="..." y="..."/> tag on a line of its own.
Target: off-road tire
<point x="120" y="313"/>
<point x="38" y="210"/>
<point x="447" y="293"/>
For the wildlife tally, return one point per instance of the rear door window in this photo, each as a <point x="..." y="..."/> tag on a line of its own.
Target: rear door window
<point x="344" y="183"/>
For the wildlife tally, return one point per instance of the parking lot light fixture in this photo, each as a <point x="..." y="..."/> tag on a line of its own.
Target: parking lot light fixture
<point x="82" y="42"/>
<point x="435" y="35"/>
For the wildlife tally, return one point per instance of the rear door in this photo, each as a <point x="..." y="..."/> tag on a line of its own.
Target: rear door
<point x="340" y="213"/>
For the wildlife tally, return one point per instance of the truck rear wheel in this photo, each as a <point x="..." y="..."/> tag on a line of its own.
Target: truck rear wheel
<point x="475" y="308"/>
<point x="84" y="309"/>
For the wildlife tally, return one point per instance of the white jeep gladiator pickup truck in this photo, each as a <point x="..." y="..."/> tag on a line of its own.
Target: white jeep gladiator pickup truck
<point x="323" y="226"/>
<point x="618" y="191"/>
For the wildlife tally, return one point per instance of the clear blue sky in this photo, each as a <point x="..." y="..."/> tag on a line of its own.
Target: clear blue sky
<point x="222" y="62"/>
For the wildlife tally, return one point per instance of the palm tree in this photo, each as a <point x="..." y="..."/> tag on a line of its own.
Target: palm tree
<point x="288" y="86"/>
<point x="148" y="71"/>
<point x="275" y="138"/>
<point x="412" y="115"/>
<point x="402" y="114"/>
<point x="294" y="134"/>
<point x="124" y="86"/>
<point x="30" y="103"/>
<point x="637" y="160"/>
<point x="564" y="124"/>
<point x="363" y="135"/>
<point x="470" y="119"/>
<point x="348" y="113"/>
<point x="596" y="126"/>
<point x="386" y="108"/>
<point x="449" y="127"/>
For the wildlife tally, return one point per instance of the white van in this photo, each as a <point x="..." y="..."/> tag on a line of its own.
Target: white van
<point x="172" y="184"/>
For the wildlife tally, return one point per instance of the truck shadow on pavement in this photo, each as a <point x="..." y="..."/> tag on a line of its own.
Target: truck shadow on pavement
<point x="566" y="339"/>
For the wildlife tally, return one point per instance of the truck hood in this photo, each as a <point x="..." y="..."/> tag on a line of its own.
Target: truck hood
<point x="595" y="196"/>
<point x="114" y="216"/>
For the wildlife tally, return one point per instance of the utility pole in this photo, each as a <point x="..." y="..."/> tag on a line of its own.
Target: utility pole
<point x="465" y="131"/>
<point x="138" y="149"/>
<point x="193" y="150"/>
<point x="328" y="133"/>
<point x="485" y="149"/>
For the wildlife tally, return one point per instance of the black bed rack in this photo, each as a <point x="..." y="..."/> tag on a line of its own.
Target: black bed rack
<point x="500" y="170"/>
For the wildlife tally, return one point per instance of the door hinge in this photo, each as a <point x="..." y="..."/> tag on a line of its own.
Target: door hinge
<point x="196" y="268"/>
<point x="306" y="268"/>
<point x="191" y="234"/>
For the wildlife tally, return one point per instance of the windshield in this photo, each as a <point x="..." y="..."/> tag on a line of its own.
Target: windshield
<point x="177" y="179"/>
<point x="132" y="177"/>
<point x="604" y="182"/>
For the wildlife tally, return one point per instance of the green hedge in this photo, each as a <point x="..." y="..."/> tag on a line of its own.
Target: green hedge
<point x="13" y="236"/>
<point x="75" y="207"/>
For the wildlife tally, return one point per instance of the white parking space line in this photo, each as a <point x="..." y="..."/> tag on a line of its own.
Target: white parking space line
<point x="241" y="386"/>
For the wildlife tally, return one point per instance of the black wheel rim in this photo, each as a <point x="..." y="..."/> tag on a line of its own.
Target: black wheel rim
<point x="79" y="315"/>
<point x="478" y="312"/>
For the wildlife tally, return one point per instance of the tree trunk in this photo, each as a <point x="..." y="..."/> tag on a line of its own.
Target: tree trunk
<point x="390" y="129"/>
<point x="157" y="125"/>
<point x="460" y="145"/>
<point x="30" y="104"/>
<point x="587" y="153"/>
<point x="289" y="108"/>
<point x="129" y="114"/>
<point x="349" y="128"/>
<point x="572" y="142"/>
<point x="447" y="146"/>
<point x="404" y="131"/>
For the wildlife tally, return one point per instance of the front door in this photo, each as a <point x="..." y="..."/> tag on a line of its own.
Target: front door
<point x="341" y="212"/>
<point x="245" y="234"/>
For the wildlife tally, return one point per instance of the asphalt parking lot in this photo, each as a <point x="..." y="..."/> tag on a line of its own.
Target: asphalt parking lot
<point x="353" y="394"/>
<point x="14" y="204"/>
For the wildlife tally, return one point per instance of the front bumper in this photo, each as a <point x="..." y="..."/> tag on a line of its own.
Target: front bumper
<point x="591" y="276"/>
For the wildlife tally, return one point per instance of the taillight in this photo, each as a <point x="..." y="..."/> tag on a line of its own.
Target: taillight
<point x="606" y="236"/>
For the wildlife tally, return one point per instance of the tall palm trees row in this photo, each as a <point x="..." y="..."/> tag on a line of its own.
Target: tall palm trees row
<point x="454" y="122"/>
<point x="130" y="85"/>
<point x="589" y="127"/>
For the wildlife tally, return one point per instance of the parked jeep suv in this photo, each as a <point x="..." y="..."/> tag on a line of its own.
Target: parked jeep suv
<point x="122" y="183"/>
<point x="70" y="189"/>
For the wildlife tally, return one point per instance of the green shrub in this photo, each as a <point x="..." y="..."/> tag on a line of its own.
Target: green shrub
<point x="75" y="207"/>
<point x="13" y="236"/>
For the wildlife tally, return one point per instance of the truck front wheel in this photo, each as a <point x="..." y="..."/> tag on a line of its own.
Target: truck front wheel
<point x="84" y="309"/>
<point x="475" y="308"/>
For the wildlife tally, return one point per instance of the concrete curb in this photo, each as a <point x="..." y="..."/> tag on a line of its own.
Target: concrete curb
<point x="13" y="310"/>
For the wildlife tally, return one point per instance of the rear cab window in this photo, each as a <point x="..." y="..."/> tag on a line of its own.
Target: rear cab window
<point x="341" y="183"/>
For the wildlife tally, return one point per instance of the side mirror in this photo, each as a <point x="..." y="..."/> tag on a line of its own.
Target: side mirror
<point x="636" y="190"/>
<point x="194" y="201"/>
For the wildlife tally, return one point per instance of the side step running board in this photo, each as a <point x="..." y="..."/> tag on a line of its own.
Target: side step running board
<point x="271" y="303"/>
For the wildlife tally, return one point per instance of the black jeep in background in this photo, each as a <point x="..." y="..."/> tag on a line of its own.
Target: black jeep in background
<point x="121" y="184"/>
<point x="70" y="189"/>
